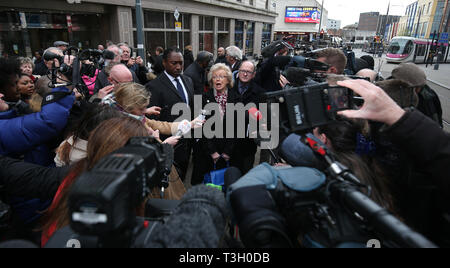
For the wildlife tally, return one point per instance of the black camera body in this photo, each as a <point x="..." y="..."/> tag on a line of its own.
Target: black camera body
<point x="102" y="201"/>
<point x="303" y="108"/>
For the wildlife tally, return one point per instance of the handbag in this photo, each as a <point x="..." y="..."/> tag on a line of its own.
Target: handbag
<point x="216" y="178"/>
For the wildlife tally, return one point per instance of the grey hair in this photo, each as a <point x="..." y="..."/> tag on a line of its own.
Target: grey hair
<point x="115" y="46"/>
<point x="235" y="52"/>
<point x="124" y="45"/>
<point x="221" y="67"/>
<point x="26" y="60"/>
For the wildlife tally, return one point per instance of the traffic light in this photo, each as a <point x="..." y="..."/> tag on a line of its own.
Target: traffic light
<point x="322" y="33"/>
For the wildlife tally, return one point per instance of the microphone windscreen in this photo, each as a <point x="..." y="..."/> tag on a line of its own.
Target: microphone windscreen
<point x="255" y="114"/>
<point x="296" y="153"/>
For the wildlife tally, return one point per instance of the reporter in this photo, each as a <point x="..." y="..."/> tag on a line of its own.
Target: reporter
<point x="74" y="148"/>
<point x="109" y="136"/>
<point x="133" y="100"/>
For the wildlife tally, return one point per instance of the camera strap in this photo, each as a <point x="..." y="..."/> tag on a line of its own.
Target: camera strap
<point x="54" y="97"/>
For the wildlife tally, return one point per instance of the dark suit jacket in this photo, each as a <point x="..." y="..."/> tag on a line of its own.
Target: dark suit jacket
<point x="165" y="95"/>
<point x="198" y="76"/>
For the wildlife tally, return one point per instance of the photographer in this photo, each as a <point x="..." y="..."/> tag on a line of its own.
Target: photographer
<point x="430" y="154"/>
<point x="26" y="136"/>
<point x="22" y="134"/>
<point x="135" y="64"/>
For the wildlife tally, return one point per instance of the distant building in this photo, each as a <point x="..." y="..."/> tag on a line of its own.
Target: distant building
<point x="333" y="24"/>
<point x="301" y="19"/>
<point x="368" y="21"/>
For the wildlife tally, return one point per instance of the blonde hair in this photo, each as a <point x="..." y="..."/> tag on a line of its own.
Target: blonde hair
<point x="221" y="67"/>
<point x="131" y="95"/>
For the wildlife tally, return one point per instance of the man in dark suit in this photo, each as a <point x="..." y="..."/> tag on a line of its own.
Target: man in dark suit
<point x="250" y="92"/>
<point x="197" y="71"/>
<point x="169" y="89"/>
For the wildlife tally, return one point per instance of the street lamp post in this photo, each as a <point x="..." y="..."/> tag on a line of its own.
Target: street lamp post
<point x="139" y="30"/>
<point x="321" y="15"/>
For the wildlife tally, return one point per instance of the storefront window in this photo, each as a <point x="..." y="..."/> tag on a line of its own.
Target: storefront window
<point x="154" y="40"/>
<point x="43" y="29"/>
<point x="206" y="23"/>
<point x="239" y="34"/>
<point x="206" y="42"/>
<point x="250" y="39"/>
<point x="153" y="19"/>
<point x="266" y="35"/>
<point x="224" y="25"/>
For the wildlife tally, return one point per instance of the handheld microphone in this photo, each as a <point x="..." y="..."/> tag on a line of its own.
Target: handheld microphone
<point x="255" y="114"/>
<point x="183" y="128"/>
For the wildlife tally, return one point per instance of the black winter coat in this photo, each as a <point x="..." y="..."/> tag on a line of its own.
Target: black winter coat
<point x="27" y="180"/>
<point x="198" y="76"/>
<point x="220" y="145"/>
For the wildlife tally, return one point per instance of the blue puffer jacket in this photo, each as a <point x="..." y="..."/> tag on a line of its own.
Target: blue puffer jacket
<point x="27" y="136"/>
<point x="21" y="134"/>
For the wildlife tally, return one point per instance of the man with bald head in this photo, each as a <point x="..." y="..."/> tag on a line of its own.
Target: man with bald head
<point x="118" y="74"/>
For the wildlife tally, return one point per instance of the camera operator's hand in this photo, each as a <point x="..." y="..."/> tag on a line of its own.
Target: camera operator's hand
<point x="105" y="91"/>
<point x="283" y="81"/>
<point x="3" y="105"/>
<point x="378" y="106"/>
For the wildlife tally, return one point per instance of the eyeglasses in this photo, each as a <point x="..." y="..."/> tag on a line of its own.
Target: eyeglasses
<point x="246" y="72"/>
<point x="218" y="77"/>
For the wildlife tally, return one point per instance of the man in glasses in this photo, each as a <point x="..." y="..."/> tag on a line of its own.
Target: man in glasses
<point x="250" y="92"/>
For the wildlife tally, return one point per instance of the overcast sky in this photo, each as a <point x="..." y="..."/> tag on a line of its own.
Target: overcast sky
<point x="347" y="11"/>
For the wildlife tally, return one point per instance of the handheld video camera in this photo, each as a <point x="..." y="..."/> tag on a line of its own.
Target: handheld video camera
<point x="303" y="108"/>
<point x="102" y="201"/>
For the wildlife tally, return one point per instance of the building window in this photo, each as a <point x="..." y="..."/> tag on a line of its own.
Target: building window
<point x="224" y="25"/>
<point x="153" y="19"/>
<point x="250" y="38"/>
<point x="206" y="34"/>
<point x="239" y="34"/>
<point x="206" y="23"/>
<point x="266" y="35"/>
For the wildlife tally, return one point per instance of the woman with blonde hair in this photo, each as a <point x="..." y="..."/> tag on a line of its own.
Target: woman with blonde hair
<point x="133" y="99"/>
<point x="109" y="136"/>
<point x="218" y="151"/>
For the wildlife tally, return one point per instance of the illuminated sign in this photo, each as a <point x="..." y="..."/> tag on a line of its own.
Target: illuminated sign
<point x="302" y="15"/>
